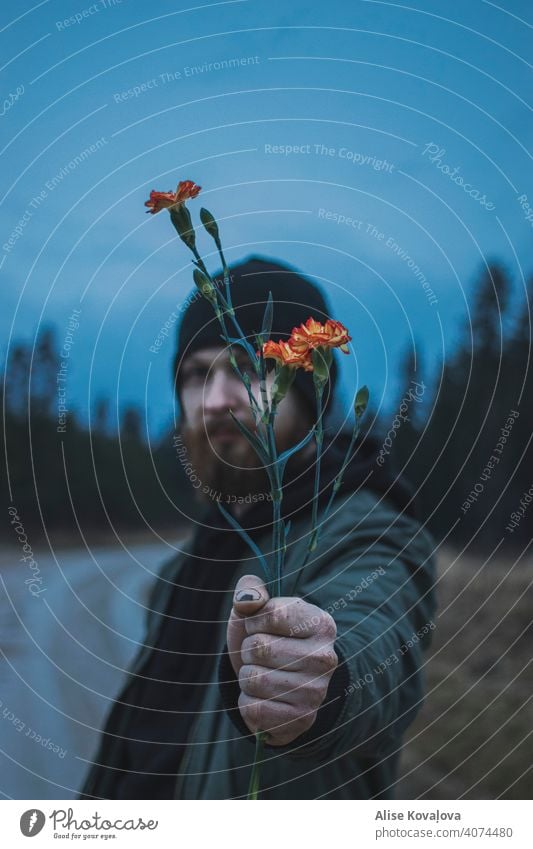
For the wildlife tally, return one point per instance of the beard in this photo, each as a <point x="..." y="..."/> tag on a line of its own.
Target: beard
<point x="229" y="469"/>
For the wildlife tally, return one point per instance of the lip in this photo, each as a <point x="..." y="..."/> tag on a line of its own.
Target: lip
<point x="225" y="435"/>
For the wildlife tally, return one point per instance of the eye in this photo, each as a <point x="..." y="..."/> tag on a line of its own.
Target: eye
<point x="194" y="374"/>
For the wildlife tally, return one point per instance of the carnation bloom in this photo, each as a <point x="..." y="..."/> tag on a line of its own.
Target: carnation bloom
<point x="338" y="336"/>
<point x="296" y="351"/>
<point x="307" y="336"/>
<point x="285" y="355"/>
<point x="165" y="200"/>
<point x="313" y="334"/>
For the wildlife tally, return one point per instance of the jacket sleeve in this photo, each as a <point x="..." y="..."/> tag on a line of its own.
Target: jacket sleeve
<point x="374" y="573"/>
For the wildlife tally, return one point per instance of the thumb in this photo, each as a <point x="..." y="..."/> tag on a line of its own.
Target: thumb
<point x="249" y="597"/>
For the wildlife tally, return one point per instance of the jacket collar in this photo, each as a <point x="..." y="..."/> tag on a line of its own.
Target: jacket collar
<point x="361" y="472"/>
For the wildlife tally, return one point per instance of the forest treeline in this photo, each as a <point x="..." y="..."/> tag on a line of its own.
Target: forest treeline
<point x="467" y="444"/>
<point x="464" y="441"/>
<point x="61" y="474"/>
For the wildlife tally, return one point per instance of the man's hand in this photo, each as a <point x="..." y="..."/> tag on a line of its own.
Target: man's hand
<point x="282" y="652"/>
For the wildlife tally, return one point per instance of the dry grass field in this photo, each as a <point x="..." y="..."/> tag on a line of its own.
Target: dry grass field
<point x="472" y="739"/>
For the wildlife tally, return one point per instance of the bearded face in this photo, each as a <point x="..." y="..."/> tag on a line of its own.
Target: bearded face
<point x="222" y="458"/>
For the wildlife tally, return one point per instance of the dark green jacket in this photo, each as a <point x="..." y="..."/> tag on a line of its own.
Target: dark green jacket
<point x="374" y="572"/>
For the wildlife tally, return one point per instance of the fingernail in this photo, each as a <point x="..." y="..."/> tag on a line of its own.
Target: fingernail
<point x="248" y="594"/>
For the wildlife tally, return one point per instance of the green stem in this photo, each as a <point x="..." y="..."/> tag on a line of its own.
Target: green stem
<point x="277" y="537"/>
<point x="253" y="787"/>
<point x="278" y="531"/>
<point x="254" y="404"/>
<point x="278" y="534"/>
<point x="263" y="390"/>
<point x="225" y="270"/>
<point x="319" y="438"/>
<point x="336" y="486"/>
<point x="278" y="548"/>
<point x="338" y="479"/>
<point x="200" y="262"/>
<point x="228" y="308"/>
<point x="226" y="301"/>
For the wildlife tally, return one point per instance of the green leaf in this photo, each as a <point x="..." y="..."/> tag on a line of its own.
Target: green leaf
<point x="267" y="320"/>
<point x="254" y="441"/>
<point x="283" y="458"/>
<point x="236" y="340"/>
<point x="240" y="340"/>
<point x="282" y="382"/>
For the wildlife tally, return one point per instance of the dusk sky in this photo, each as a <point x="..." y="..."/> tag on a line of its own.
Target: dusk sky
<point x="382" y="149"/>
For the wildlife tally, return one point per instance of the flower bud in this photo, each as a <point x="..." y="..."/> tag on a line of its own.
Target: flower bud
<point x="361" y="401"/>
<point x="182" y="221"/>
<point x="210" y="224"/>
<point x="205" y="286"/>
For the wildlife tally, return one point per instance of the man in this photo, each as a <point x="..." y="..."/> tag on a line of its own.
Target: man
<point x="331" y="670"/>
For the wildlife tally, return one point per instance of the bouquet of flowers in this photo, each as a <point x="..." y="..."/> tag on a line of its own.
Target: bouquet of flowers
<point x="310" y="347"/>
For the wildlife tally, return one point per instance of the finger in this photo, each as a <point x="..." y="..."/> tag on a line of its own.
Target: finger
<point x="285" y="653"/>
<point x="249" y="596"/>
<point x="283" y="721"/>
<point x="291" y="617"/>
<point x="295" y="688"/>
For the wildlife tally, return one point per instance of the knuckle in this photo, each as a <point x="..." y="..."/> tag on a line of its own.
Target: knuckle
<point x="329" y="627"/>
<point x="251" y="713"/>
<point x="315" y="694"/>
<point x="333" y="659"/>
<point x="246" y="679"/>
<point x="251" y="679"/>
<point x="289" y="715"/>
<point x="257" y="622"/>
<point x="262" y="715"/>
<point x="326" y="660"/>
<point x="284" y="717"/>
<point x="277" y="618"/>
<point x="288" y="724"/>
<point x="260" y="648"/>
<point x="290" y="729"/>
<point x="321" y="623"/>
<point x="247" y="648"/>
<point x="280" y="719"/>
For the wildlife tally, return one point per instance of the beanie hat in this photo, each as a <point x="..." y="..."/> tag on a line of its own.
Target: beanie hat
<point x="294" y="299"/>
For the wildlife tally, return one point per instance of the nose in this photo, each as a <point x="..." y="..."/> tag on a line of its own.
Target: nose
<point x="221" y="393"/>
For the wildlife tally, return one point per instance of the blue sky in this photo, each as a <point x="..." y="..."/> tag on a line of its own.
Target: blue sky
<point x="331" y="136"/>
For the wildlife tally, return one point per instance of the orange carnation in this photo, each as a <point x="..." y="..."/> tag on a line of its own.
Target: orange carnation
<point x="285" y="355"/>
<point x="338" y="336"/>
<point x="165" y="200"/>
<point x="313" y="334"/>
<point x="307" y="336"/>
